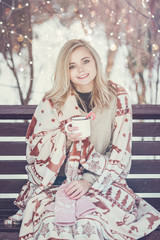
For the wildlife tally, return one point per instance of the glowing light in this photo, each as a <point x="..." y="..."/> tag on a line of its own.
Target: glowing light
<point x="107" y="11"/>
<point x="155" y="47"/>
<point x="19" y="6"/>
<point x="36" y="9"/>
<point x="3" y="30"/>
<point x="93" y="13"/>
<point x="119" y="21"/>
<point x="20" y="38"/>
<point x="130" y="29"/>
<point x="21" y="69"/>
<point x="89" y="31"/>
<point x="95" y="1"/>
<point x="125" y="20"/>
<point x="113" y="47"/>
<point x="92" y="24"/>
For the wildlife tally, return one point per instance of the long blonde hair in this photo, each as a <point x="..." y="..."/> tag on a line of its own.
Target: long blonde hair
<point x="62" y="86"/>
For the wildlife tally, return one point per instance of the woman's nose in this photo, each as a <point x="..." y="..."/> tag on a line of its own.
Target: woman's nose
<point x="80" y="69"/>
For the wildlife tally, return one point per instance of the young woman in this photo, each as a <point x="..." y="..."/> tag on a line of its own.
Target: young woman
<point x="101" y="204"/>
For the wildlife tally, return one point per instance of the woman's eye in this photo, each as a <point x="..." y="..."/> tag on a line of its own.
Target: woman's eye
<point x="71" y="67"/>
<point x="86" y="61"/>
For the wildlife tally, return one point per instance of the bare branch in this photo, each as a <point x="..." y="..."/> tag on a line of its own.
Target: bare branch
<point x="137" y="10"/>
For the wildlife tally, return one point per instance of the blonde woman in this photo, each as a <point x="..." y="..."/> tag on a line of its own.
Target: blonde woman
<point x="94" y="201"/>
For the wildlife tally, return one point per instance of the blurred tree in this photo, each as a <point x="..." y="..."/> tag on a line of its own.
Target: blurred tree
<point x="16" y="35"/>
<point x="17" y="18"/>
<point x="134" y="25"/>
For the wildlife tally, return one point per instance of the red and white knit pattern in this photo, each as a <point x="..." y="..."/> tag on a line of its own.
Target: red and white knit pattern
<point x="120" y="213"/>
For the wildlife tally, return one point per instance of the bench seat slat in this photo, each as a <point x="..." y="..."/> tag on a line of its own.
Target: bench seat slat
<point x="12" y="148"/>
<point x="15" y="185"/>
<point x="145" y="167"/>
<point x="7" y="205"/>
<point x="12" y="167"/>
<point x="146" y="148"/>
<point x="139" y="148"/>
<point x="146" y="129"/>
<point x="144" y="185"/>
<point x="138" y="185"/>
<point x="138" y="167"/>
<point x="11" y="186"/>
<point x="13" y="129"/>
<point x="9" y="234"/>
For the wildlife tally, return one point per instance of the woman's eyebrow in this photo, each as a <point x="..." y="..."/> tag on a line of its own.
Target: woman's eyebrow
<point x="81" y="59"/>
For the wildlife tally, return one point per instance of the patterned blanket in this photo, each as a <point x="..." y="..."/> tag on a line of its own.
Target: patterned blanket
<point x="120" y="213"/>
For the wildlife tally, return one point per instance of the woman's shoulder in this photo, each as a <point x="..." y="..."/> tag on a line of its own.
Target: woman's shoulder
<point x="45" y="105"/>
<point x="116" y="88"/>
<point x="122" y="97"/>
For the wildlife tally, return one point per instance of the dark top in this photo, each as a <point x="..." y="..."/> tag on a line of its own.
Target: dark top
<point x="86" y="97"/>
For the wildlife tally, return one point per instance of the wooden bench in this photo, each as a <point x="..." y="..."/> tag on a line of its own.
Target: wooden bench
<point x="144" y="177"/>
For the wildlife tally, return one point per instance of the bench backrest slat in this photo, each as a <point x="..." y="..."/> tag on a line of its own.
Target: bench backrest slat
<point x="142" y="129"/>
<point x="26" y="111"/>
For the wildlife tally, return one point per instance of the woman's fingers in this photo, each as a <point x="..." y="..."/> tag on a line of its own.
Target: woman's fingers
<point x="70" y="188"/>
<point x="76" y="195"/>
<point x="77" y="189"/>
<point x="74" y="136"/>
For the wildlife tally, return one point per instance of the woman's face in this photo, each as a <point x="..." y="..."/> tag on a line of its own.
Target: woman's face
<point x="82" y="69"/>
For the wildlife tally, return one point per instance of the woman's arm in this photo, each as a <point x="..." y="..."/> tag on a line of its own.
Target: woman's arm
<point x="119" y="162"/>
<point x="45" y="146"/>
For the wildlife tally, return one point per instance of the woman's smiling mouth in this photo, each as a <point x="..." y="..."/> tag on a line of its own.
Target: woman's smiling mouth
<point x="84" y="76"/>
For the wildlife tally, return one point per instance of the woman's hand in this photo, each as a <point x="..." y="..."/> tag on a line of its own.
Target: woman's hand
<point x="73" y="136"/>
<point x="77" y="189"/>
